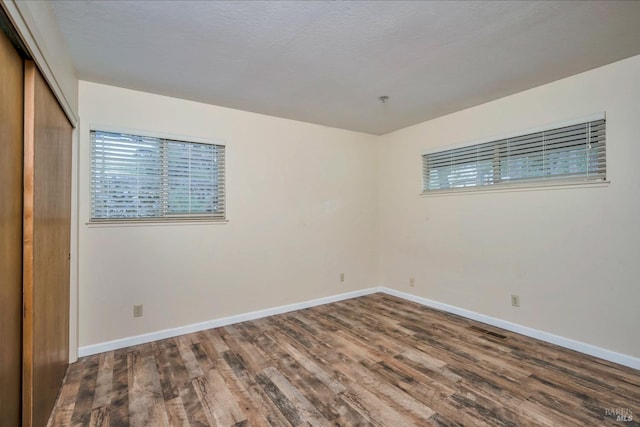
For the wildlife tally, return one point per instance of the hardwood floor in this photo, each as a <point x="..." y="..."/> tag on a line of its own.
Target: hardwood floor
<point x="375" y="360"/>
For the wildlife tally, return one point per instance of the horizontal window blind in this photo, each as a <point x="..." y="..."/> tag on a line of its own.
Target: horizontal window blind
<point x="568" y="153"/>
<point x="139" y="177"/>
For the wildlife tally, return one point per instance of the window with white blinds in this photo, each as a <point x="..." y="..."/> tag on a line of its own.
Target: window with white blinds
<point x="137" y="177"/>
<point x="567" y="154"/>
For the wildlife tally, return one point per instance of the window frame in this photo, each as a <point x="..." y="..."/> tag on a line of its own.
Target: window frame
<point x="521" y="184"/>
<point x="160" y="220"/>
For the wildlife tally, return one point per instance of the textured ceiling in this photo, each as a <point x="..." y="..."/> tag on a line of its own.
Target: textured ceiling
<point x="328" y="62"/>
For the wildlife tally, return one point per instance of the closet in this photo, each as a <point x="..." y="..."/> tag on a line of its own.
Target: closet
<point x="35" y="206"/>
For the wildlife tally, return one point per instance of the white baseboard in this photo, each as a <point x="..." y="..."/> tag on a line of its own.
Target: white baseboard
<point x="216" y="323"/>
<point x="612" y="356"/>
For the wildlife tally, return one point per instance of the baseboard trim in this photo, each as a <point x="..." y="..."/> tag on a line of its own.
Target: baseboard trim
<point x="216" y="323"/>
<point x="592" y="350"/>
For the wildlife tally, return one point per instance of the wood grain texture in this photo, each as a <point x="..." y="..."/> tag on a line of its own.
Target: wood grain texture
<point x="46" y="223"/>
<point x="11" y="127"/>
<point x="370" y="361"/>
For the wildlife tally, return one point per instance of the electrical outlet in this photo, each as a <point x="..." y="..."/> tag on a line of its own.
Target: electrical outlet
<point x="412" y="281"/>
<point x="137" y="310"/>
<point x="342" y="277"/>
<point x="515" y="300"/>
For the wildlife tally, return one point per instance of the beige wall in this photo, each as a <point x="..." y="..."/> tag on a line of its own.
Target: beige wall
<point x="301" y="209"/>
<point x="573" y="255"/>
<point x="306" y="202"/>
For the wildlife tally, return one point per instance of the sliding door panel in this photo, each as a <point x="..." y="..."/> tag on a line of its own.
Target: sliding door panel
<point x="47" y="207"/>
<point x="11" y="113"/>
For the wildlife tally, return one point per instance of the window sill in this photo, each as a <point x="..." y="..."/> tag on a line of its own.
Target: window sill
<point x="154" y="223"/>
<point x="507" y="188"/>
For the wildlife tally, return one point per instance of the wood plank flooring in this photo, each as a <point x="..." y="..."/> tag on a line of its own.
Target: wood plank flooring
<point x="370" y="361"/>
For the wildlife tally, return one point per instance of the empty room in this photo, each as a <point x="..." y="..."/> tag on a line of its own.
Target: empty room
<point x="319" y="213"/>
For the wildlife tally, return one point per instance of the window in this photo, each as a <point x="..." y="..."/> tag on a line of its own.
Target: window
<point x="573" y="153"/>
<point x="137" y="177"/>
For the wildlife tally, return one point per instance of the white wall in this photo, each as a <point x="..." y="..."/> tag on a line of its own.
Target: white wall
<point x="573" y="255"/>
<point x="302" y="208"/>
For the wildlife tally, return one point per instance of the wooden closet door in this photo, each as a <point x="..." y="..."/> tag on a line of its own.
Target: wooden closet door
<point x="11" y="113"/>
<point x="47" y="214"/>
